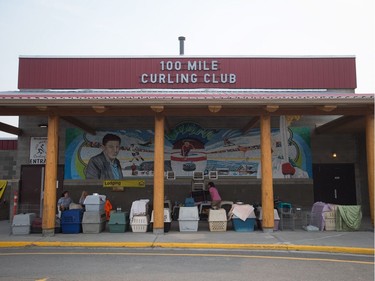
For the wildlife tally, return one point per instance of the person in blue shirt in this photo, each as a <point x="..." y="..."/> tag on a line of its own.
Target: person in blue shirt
<point x="64" y="201"/>
<point x="105" y="165"/>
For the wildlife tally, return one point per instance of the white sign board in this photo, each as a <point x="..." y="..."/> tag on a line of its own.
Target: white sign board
<point x="38" y="150"/>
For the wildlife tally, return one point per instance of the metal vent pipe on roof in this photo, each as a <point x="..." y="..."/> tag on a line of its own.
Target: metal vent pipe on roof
<point x="181" y="39"/>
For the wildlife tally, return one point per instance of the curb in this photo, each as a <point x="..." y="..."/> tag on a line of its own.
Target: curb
<point x="166" y="245"/>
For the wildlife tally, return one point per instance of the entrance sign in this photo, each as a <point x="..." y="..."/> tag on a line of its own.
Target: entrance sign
<point x="38" y="150"/>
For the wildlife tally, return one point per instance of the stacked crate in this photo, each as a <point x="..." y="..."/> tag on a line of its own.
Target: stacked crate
<point x="140" y="223"/>
<point x="94" y="218"/>
<point x="93" y="222"/>
<point x="139" y="216"/>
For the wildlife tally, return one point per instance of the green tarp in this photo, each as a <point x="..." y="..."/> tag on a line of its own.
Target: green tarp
<point x="348" y="217"/>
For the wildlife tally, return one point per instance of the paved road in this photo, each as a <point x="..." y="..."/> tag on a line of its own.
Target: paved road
<point x="180" y="264"/>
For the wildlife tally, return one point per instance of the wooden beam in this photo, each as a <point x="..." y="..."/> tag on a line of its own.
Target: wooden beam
<point x="266" y="172"/>
<point x="79" y="124"/>
<point x="158" y="225"/>
<point x="50" y="177"/>
<point x="10" y="129"/>
<point x="250" y="124"/>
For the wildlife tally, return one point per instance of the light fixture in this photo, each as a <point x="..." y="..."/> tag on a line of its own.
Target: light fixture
<point x="43" y="125"/>
<point x="334" y="154"/>
<point x="99" y="108"/>
<point x="327" y="108"/>
<point x="157" y="108"/>
<point x="42" y="108"/>
<point x="271" y="108"/>
<point x="214" y="108"/>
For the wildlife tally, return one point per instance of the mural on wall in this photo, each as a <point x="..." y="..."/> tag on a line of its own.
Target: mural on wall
<point x="189" y="147"/>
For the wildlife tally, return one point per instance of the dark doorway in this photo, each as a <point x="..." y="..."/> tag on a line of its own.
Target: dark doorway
<point x="334" y="183"/>
<point x="32" y="186"/>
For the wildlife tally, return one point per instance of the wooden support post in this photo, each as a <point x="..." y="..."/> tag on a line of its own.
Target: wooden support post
<point x="158" y="224"/>
<point x="370" y="161"/>
<point x="50" y="177"/>
<point x="266" y="172"/>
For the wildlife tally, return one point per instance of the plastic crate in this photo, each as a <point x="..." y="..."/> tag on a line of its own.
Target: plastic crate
<point x="217" y="215"/>
<point x="217" y="220"/>
<point x="22" y="223"/>
<point x="188" y="225"/>
<point x="188" y="213"/>
<point x="71" y="228"/>
<point x="139" y="223"/>
<point x="243" y="226"/>
<point x="71" y="221"/>
<point x="329" y="220"/>
<point x="118" y="222"/>
<point x="167" y="226"/>
<point x="93" y="222"/>
<point x="167" y="220"/>
<point x="275" y="222"/>
<point x="217" y="225"/>
<point x="167" y="215"/>
<point x="71" y="216"/>
<point x="95" y="202"/>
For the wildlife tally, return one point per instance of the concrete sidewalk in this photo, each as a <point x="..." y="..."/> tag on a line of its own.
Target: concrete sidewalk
<point x="357" y="242"/>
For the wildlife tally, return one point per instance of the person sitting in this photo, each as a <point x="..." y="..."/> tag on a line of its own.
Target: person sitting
<point x="64" y="201"/>
<point x="82" y="198"/>
<point x="215" y="196"/>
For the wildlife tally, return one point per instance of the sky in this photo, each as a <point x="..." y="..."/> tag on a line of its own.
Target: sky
<point x="211" y="28"/>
